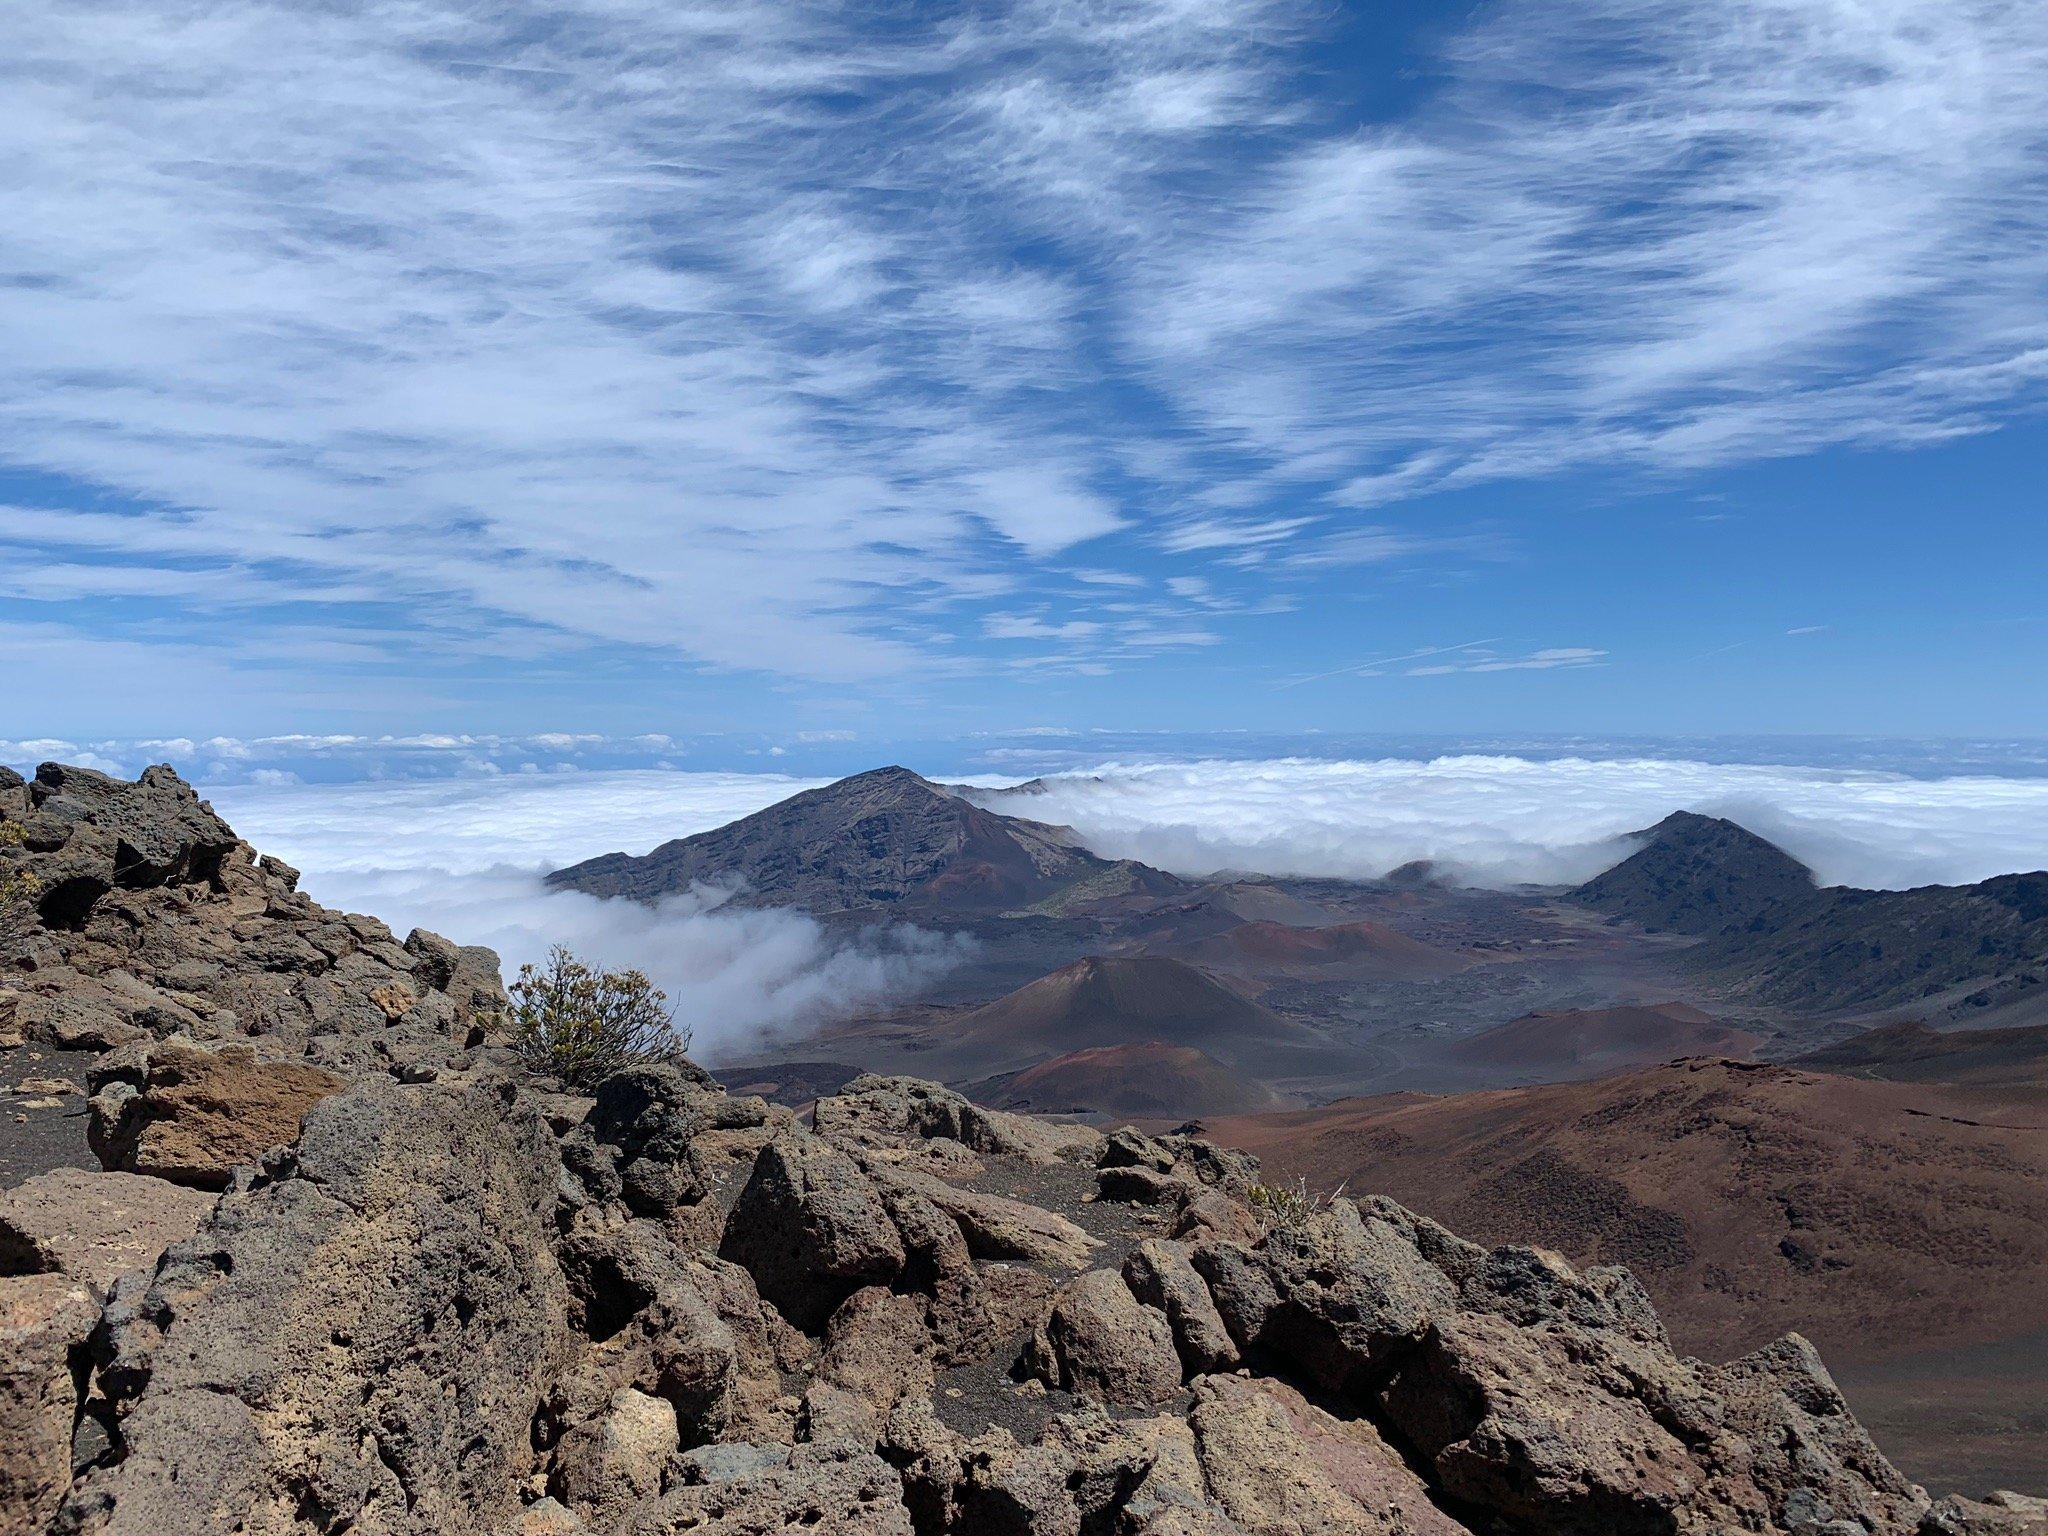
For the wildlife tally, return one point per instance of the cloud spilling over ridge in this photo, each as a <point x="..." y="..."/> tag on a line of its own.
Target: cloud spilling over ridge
<point x="1500" y="820"/>
<point x="464" y="857"/>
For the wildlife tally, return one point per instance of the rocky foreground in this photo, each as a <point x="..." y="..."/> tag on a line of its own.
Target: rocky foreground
<point x="351" y="1269"/>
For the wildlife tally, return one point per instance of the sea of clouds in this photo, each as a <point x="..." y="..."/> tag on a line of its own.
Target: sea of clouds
<point x="1503" y="820"/>
<point x="464" y="855"/>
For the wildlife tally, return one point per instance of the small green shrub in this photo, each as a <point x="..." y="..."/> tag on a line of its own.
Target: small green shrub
<point x="12" y="834"/>
<point x="1282" y="1207"/>
<point x="581" y="1025"/>
<point x="19" y="888"/>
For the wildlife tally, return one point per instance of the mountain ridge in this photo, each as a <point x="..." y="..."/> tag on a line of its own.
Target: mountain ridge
<point x="885" y="839"/>
<point x="1766" y="925"/>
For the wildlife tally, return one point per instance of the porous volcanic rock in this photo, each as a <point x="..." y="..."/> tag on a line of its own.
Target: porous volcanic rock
<point x="199" y="1114"/>
<point x="1098" y="1340"/>
<point x="363" y="1332"/>
<point x="45" y="1323"/>
<point x="93" y="1227"/>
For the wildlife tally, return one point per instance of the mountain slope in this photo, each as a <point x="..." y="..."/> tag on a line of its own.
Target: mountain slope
<point x="1149" y="1080"/>
<point x="1883" y="1220"/>
<point x="1952" y="950"/>
<point x="1913" y="1053"/>
<point x="1132" y="1000"/>
<point x="878" y="840"/>
<point x="1362" y="949"/>
<point x="1698" y="874"/>
<point x="1570" y="1043"/>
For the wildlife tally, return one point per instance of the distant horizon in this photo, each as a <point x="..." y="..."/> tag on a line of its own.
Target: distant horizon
<point x="1012" y="755"/>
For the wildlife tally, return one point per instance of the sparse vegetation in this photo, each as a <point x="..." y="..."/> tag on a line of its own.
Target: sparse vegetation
<point x="581" y="1025"/>
<point x="19" y="888"/>
<point x="1285" y="1206"/>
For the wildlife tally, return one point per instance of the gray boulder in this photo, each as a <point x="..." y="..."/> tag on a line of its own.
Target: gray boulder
<point x="811" y="1229"/>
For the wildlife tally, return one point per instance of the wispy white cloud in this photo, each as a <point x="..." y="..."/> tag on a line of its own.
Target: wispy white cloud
<point x="1635" y="233"/>
<point x="790" y="337"/>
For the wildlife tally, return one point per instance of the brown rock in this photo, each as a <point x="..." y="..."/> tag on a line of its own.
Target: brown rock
<point x="94" y="1226"/>
<point x="874" y="1111"/>
<point x="811" y="1229"/>
<point x="1098" y="1340"/>
<point x="1160" y="1275"/>
<point x="832" y="1487"/>
<point x="205" y="1112"/>
<point x="1282" y="1467"/>
<point x="609" y="1464"/>
<point x="876" y="1352"/>
<point x="995" y="1227"/>
<point x="45" y="1321"/>
<point x="1511" y="1422"/>
<point x="1808" y="1454"/>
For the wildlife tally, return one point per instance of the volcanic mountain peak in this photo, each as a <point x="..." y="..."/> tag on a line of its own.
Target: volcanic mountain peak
<point x="1148" y="1079"/>
<point x="1126" y="1000"/>
<point x="1698" y="874"/>
<point x="1564" y="1044"/>
<point x="886" y="838"/>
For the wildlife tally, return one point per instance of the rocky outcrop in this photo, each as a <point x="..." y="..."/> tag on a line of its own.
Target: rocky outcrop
<point x="361" y="1334"/>
<point x="147" y="917"/>
<point x="438" y="1296"/>
<point x="46" y="1321"/>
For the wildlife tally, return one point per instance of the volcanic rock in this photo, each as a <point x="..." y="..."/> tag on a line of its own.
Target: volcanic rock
<point x="1100" y="1341"/>
<point x="45" y="1322"/>
<point x="94" y="1227"/>
<point x="1280" y="1466"/>
<point x="366" y="1334"/>
<point x="199" y="1114"/>
<point x="811" y="1229"/>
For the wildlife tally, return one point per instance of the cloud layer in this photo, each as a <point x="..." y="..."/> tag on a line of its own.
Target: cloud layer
<point x="473" y="851"/>
<point x="812" y="339"/>
<point x="1499" y="820"/>
<point x="463" y="856"/>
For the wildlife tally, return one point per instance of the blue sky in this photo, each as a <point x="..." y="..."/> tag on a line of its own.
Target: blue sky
<point x="907" y="372"/>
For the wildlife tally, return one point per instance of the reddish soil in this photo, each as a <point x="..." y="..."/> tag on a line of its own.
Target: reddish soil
<point x="1151" y="1080"/>
<point x="1573" y="1043"/>
<point x="1883" y="1220"/>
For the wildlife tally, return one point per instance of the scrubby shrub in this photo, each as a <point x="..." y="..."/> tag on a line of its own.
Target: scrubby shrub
<point x="18" y="887"/>
<point x="1283" y="1207"/>
<point x="581" y="1025"/>
<point x="18" y="890"/>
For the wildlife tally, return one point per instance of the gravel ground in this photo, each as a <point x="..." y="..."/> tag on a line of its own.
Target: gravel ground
<point x="42" y="1125"/>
